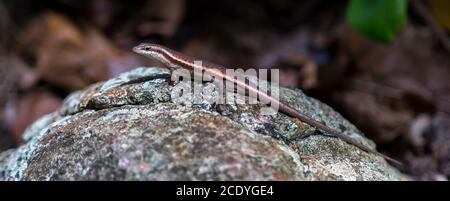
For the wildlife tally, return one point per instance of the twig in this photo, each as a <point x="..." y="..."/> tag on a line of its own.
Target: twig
<point x="440" y="33"/>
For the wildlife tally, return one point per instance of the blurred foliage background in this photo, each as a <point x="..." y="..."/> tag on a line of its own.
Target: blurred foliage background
<point x="383" y="64"/>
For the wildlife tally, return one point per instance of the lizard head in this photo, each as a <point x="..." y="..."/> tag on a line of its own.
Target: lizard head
<point x="148" y="49"/>
<point x="153" y="51"/>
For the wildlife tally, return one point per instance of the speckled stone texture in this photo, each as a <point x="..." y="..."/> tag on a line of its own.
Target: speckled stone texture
<point x="129" y="128"/>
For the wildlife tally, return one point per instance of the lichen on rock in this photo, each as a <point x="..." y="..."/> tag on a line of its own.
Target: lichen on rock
<point x="129" y="128"/>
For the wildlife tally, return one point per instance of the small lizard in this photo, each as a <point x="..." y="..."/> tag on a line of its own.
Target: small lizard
<point x="174" y="59"/>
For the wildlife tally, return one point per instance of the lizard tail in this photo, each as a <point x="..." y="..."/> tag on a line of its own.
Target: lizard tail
<point x="294" y="113"/>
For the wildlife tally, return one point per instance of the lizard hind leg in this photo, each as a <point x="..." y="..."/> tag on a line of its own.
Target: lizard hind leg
<point x="299" y="123"/>
<point x="302" y="126"/>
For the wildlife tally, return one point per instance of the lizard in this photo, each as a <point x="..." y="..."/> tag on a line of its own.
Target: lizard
<point x="174" y="59"/>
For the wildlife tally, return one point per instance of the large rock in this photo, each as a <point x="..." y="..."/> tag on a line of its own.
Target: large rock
<point x="129" y="128"/>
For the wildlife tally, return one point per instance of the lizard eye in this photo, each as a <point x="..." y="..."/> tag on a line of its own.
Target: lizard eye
<point x="147" y="48"/>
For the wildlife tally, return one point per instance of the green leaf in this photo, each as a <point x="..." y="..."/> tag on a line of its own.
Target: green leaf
<point x="378" y="19"/>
